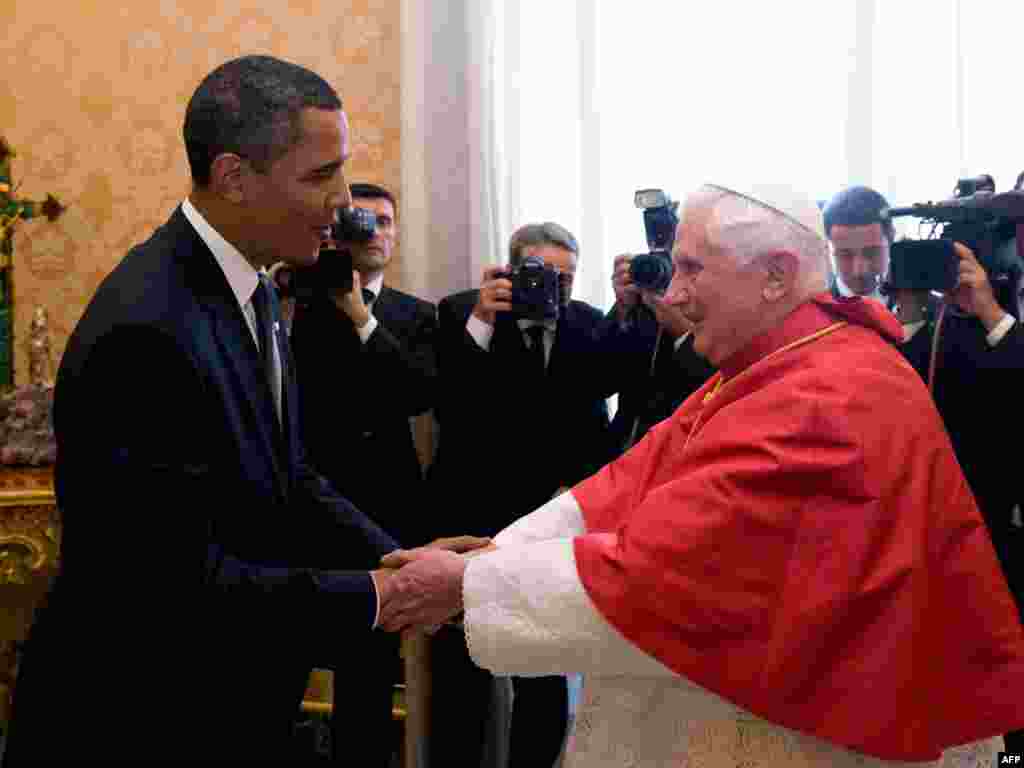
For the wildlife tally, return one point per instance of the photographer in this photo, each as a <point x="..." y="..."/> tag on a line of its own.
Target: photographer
<point x="979" y="354"/>
<point x="522" y="413"/>
<point x="365" y="362"/>
<point x="365" y="365"/>
<point x="658" y="368"/>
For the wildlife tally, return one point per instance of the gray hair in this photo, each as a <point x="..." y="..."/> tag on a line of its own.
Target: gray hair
<point x="747" y="230"/>
<point x="548" y="233"/>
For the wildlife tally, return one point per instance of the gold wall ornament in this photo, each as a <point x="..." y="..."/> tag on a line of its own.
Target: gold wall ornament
<point x="40" y="360"/>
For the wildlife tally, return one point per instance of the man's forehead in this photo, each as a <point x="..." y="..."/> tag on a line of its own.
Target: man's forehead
<point x="861" y="236"/>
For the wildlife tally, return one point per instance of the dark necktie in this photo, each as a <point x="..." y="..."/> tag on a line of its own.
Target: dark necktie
<point x="262" y="305"/>
<point x="536" y="334"/>
<point x="368" y="296"/>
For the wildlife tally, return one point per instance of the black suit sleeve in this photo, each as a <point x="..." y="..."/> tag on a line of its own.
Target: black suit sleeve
<point x="1009" y="352"/>
<point x="405" y="367"/>
<point x="143" y="433"/>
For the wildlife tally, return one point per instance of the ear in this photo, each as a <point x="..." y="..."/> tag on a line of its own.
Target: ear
<point x="780" y="269"/>
<point x="226" y="177"/>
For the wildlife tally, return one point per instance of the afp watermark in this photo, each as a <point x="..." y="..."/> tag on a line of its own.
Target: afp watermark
<point x="1010" y="758"/>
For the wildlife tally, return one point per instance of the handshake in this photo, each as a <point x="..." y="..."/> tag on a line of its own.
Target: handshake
<point x="422" y="588"/>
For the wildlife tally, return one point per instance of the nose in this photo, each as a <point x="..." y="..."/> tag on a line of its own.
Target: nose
<point x="862" y="267"/>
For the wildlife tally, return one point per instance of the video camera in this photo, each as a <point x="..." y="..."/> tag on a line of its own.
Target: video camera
<point x="653" y="271"/>
<point x="539" y="291"/>
<point x="990" y="224"/>
<point x="331" y="275"/>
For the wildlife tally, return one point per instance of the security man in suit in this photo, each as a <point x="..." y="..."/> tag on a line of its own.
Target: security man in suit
<point x="365" y="363"/>
<point x="522" y="413"/>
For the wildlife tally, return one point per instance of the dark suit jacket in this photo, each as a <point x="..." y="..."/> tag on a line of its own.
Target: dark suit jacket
<point x="977" y="388"/>
<point x="508" y="436"/>
<point x="197" y="580"/>
<point x="645" y="394"/>
<point x="357" y="399"/>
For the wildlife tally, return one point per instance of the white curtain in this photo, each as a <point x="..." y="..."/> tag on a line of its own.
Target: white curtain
<point x="560" y="109"/>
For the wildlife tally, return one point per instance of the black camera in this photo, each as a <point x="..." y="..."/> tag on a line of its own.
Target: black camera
<point x="990" y="224"/>
<point x="354" y="225"/>
<point x="332" y="273"/>
<point x="538" y="290"/>
<point x="653" y="271"/>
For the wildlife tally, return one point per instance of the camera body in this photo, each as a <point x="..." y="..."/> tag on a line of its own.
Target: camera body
<point x="990" y="224"/>
<point x="331" y="275"/>
<point x="539" y="291"/>
<point x="653" y="271"/>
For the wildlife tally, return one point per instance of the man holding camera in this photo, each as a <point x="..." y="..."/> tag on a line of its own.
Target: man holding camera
<point x="365" y="362"/>
<point x="365" y="365"/>
<point x="659" y="368"/>
<point x="979" y="353"/>
<point x="523" y="414"/>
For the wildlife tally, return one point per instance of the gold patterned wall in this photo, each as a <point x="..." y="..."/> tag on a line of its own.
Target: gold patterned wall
<point x="93" y="97"/>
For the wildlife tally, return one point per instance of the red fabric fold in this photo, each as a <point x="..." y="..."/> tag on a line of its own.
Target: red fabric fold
<point x="799" y="539"/>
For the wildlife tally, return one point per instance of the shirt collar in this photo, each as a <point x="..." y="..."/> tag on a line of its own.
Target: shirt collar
<point x="547" y="325"/>
<point x="847" y="292"/>
<point x="375" y="285"/>
<point x="241" y="275"/>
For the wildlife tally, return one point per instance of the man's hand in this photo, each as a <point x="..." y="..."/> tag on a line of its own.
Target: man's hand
<point x="626" y="294"/>
<point x="352" y="303"/>
<point x="973" y="292"/>
<point x="425" y="593"/>
<point x="458" y="544"/>
<point x="669" y="316"/>
<point x="495" y="295"/>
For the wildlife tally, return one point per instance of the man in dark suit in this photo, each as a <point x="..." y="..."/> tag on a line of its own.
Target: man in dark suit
<point x="365" y="362"/>
<point x="657" y="367"/>
<point x="201" y="573"/>
<point x="522" y="414"/>
<point x="973" y="372"/>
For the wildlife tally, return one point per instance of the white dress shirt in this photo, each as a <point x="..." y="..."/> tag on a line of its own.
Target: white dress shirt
<point x="482" y="334"/>
<point x="375" y="285"/>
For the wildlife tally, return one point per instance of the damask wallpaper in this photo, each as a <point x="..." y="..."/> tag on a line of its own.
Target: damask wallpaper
<point x="93" y="98"/>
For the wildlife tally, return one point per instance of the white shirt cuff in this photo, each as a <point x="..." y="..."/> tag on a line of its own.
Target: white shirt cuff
<point x="680" y="340"/>
<point x="1002" y="328"/>
<point x="480" y="331"/>
<point x="367" y="330"/>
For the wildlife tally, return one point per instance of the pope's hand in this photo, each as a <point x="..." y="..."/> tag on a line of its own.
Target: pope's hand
<point x="425" y="593"/>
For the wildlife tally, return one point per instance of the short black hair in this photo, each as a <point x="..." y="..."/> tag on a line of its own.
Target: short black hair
<point x="365" y="191"/>
<point x="251" y="107"/>
<point x="858" y="207"/>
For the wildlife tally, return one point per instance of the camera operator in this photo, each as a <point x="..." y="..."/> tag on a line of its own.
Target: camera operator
<point x="658" y="368"/>
<point x="522" y="413"/>
<point x="365" y="365"/>
<point x="979" y="356"/>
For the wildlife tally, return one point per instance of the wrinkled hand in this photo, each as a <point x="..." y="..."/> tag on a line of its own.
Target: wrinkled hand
<point x="425" y="593"/>
<point x="352" y="303"/>
<point x="459" y="544"/>
<point x="626" y="293"/>
<point x="669" y="316"/>
<point x="973" y="292"/>
<point x="495" y="295"/>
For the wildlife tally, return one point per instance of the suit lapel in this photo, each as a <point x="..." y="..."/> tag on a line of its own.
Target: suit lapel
<point x="236" y="348"/>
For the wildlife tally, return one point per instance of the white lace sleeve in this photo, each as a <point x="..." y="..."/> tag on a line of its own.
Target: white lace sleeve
<point x="560" y="518"/>
<point x="526" y="613"/>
